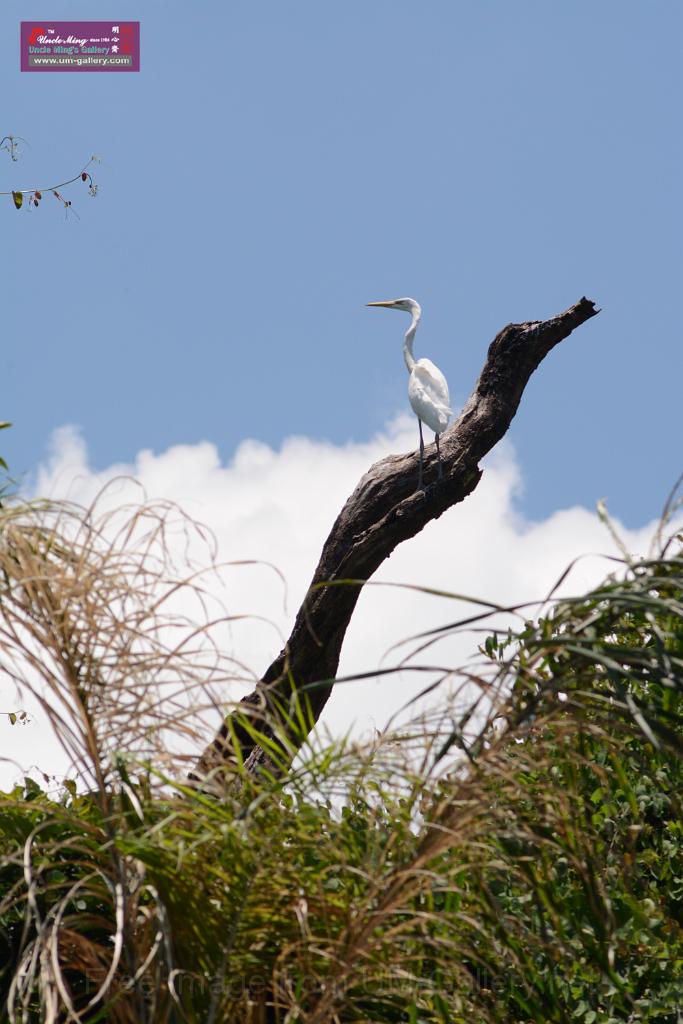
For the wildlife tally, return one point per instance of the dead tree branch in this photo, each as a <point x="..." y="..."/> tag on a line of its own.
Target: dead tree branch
<point x="384" y="510"/>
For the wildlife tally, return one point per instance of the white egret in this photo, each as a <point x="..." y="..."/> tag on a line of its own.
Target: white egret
<point x="427" y="386"/>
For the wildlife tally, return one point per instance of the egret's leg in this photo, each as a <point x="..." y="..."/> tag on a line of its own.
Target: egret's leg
<point x="422" y="455"/>
<point x="438" y="457"/>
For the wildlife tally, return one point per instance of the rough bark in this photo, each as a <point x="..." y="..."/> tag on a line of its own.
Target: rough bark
<point x="384" y="510"/>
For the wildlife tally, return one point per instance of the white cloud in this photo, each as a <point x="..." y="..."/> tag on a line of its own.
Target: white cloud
<point x="278" y="506"/>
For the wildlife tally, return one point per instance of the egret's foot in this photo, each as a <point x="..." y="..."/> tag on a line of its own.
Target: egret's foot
<point x="428" y="488"/>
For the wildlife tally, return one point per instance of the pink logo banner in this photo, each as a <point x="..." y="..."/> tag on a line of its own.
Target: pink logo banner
<point x="80" y="45"/>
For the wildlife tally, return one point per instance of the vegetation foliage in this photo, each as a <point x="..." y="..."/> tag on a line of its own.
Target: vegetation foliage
<point x="13" y="145"/>
<point x="516" y="854"/>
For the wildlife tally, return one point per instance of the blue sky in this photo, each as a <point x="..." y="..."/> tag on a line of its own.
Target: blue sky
<point x="275" y="166"/>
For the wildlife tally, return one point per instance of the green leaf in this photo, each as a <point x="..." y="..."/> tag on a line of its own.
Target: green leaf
<point x="31" y="789"/>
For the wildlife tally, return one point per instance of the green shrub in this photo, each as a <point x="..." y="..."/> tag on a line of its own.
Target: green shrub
<point x="521" y="865"/>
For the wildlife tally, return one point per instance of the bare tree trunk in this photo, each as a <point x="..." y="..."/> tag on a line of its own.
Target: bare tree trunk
<point x="384" y="510"/>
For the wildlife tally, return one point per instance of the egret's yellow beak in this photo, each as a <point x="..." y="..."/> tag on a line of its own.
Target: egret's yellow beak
<point x="388" y="303"/>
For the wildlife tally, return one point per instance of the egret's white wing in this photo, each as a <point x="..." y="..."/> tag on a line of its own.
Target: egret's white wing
<point x="428" y="394"/>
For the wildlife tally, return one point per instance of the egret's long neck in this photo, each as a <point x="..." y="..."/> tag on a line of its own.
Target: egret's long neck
<point x="409" y="339"/>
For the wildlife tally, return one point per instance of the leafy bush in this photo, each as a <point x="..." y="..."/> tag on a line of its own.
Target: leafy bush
<point x="520" y="865"/>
